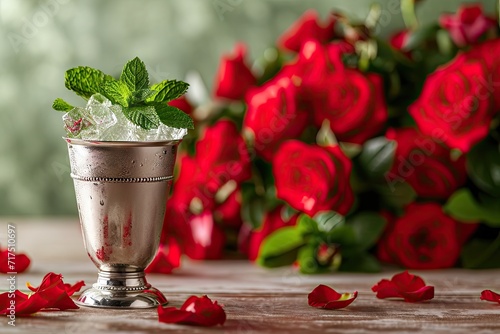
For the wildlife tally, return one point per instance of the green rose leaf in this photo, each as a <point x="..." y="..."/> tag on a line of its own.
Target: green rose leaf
<point x="172" y="116"/>
<point x="481" y="254"/>
<point x="146" y="118"/>
<point x="252" y="210"/>
<point x="306" y="225"/>
<point x="135" y="75"/>
<point x="343" y="235"/>
<point x="280" y="248"/>
<point x="308" y="263"/>
<point x="464" y="207"/>
<point x="420" y="35"/>
<point x="61" y="105"/>
<point x="168" y="90"/>
<point x="396" y="194"/>
<point x="85" y="81"/>
<point x="376" y="158"/>
<point x="117" y="92"/>
<point x="363" y="262"/>
<point x="368" y="227"/>
<point x="483" y="166"/>
<point x="327" y="221"/>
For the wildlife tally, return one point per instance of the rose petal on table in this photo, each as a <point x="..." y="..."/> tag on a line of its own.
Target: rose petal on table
<point x="386" y="289"/>
<point x="490" y="296"/>
<point x="20" y="304"/>
<point x="71" y="289"/>
<point x="404" y="285"/>
<point x="53" y="290"/>
<point x="198" y="311"/>
<point x="20" y="262"/>
<point x="325" y="297"/>
<point x="422" y="294"/>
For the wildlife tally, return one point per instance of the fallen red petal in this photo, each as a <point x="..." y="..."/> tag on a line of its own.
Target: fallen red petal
<point x="71" y="289"/>
<point x="51" y="294"/>
<point x="424" y="293"/>
<point x="490" y="296"/>
<point x="404" y="285"/>
<point x="197" y="311"/>
<point x="325" y="297"/>
<point x="20" y="262"/>
<point x="386" y="289"/>
<point x="20" y="304"/>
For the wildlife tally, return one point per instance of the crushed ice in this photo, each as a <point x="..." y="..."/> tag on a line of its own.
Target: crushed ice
<point x="102" y="121"/>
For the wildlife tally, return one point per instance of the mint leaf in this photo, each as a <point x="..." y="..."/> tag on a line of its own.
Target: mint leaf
<point x="168" y="90"/>
<point x="117" y="92"/>
<point x="141" y="95"/>
<point x="61" y="105"/>
<point x="145" y="117"/>
<point x="85" y="81"/>
<point x="135" y="75"/>
<point x="172" y="116"/>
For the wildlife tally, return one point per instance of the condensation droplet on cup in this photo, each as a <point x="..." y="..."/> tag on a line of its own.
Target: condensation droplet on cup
<point x="101" y="202"/>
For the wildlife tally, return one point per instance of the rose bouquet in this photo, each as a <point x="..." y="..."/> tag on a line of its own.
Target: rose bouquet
<point x="338" y="150"/>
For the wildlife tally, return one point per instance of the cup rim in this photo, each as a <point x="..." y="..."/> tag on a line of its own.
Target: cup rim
<point x="76" y="141"/>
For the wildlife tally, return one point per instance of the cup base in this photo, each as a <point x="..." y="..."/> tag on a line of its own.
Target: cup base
<point x="110" y="299"/>
<point x="122" y="290"/>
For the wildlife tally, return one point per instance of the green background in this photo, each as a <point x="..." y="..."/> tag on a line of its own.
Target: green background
<point x="42" y="39"/>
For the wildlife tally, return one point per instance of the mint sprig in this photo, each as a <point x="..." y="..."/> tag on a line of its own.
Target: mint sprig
<point x="135" y="75"/>
<point x="144" y="105"/>
<point x="168" y="90"/>
<point x="61" y="105"/>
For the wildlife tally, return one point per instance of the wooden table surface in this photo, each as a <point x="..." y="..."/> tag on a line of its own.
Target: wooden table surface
<point x="255" y="299"/>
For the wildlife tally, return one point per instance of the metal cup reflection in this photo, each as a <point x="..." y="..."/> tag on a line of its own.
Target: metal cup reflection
<point x="121" y="192"/>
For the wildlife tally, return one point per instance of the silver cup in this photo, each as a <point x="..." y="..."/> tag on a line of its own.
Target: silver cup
<point x="121" y="192"/>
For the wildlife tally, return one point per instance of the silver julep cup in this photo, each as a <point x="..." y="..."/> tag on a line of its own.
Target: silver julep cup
<point x="121" y="192"/>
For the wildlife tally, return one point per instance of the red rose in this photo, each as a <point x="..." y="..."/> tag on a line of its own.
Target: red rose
<point x="312" y="65"/>
<point x="273" y="116"/>
<point x="313" y="178"/>
<point x="167" y="258"/>
<point x="467" y="25"/>
<point x="228" y="213"/>
<point x="353" y="102"/>
<point x="423" y="238"/>
<point x="192" y="183"/>
<point x="425" y="164"/>
<point x="488" y="52"/>
<point x="218" y="160"/>
<point x="398" y="40"/>
<point x="195" y="212"/>
<point x="204" y="239"/>
<point x="273" y="221"/>
<point x="234" y="77"/>
<point x="198" y="234"/>
<point x="183" y="104"/>
<point x="455" y="105"/>
<point x="306" y="28"/>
